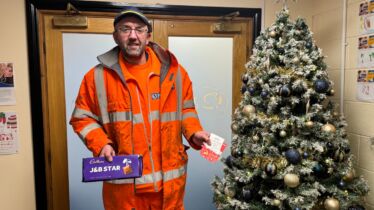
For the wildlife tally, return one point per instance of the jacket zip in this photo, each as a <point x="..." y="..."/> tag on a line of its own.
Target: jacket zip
<point x="150" y="120"/>
<point x="149" y="141"/>
<point x="132" y="115"/>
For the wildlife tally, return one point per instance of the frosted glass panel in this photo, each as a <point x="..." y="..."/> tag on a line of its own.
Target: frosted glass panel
<point x="208" y="62"/>
<point x="80" y="52"/>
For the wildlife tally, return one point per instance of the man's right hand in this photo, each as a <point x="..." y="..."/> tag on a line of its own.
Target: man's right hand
<point x="108" y="152"/>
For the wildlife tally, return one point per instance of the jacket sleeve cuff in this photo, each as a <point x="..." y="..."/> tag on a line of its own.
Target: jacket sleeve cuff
<point x="99" y="146"/>
<point x="191" y="142"/>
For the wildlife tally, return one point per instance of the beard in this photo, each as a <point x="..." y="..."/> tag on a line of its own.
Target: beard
<point x="133" y="49"/>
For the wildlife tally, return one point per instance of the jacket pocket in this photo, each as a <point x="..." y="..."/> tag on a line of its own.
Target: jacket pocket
<point x="118" y="106"/>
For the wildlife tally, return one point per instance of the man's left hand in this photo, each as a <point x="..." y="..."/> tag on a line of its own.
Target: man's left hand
<point x="200" y="137"/>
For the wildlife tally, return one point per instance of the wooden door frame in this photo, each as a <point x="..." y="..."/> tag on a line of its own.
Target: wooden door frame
<point x="32" y="7"/>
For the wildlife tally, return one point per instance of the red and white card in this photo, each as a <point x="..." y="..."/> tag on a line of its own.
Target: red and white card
<point x="214" y="151"/>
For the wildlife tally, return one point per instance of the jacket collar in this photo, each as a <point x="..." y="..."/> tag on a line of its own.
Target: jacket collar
<point x="110" y="59"/>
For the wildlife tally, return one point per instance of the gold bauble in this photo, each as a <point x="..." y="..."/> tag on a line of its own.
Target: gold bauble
<point x="331" y="204"/>
<point x="276" y="202"/>
<point x="332" y="92"/>
<point x="230" y="191"/>
<point x="272" y="33"/>
<point x="329" y="128"/>
<point x="248" y="110"/>
<point x="335" y="114"/>
<point x="256" y="138"/>
<point x="292" y="180"/>
<point x="283" y="163"/>
<point x="295" y="60"/>
<point x="283" y="133"/>
<point x="330" y="170"/>
<point x="339" y="155"/>
<point x="349" y="176"/>
<point x="309" y="124"/>
<point x="346" y="193"/>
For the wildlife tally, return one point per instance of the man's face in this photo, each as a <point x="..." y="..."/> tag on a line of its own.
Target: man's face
<point x="8" y="71"/>
<point x="131" y="35"/>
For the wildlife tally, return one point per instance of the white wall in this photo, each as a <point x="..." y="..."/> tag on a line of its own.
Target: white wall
<point x="17" y="171"/>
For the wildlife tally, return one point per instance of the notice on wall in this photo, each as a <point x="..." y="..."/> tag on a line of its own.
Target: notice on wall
<point x="366" y="14"/>
<point x="365" y="85"/>
<point x="8" y="133"/>
<point x="7" y="91"/>
<point x="365" y="58"/>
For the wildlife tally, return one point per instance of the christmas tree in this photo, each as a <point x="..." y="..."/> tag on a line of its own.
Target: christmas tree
<point x="289" y="148"/>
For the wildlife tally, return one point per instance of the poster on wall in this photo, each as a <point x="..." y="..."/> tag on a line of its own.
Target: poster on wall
<point x="366" y="14"/>
<point x="365" y="85"/>
<point x="8" y="133"/>
<point x="365" y="58"/>
<point x="7" y="91"/>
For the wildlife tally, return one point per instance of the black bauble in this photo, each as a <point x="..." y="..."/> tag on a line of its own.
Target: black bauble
<point x="252" y="90"/>
<point x="321" y="86"/>
<point x="229" y="161"/>
<point x="342" y="184"/>
<point x="271" y="169"/>
<point x="313" y="99"/>
<point x="305" y="155"/>
<point x="356" y="207"/>
<point x="264" y="93"/>
<point x="245" y="78"/>
<point x="299" y="108"/>
<point x="308" y="45"/>
<point x="293" y="156"/>
<point x="329" y="145"/>
<point x="285" y="91"/>
<point x="298" y="90"/>
<point x="243" y="89"/>
<point x="319" y="170"/>
<point x="247" y="194"/>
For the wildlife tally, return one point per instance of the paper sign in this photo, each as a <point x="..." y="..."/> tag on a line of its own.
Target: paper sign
<point x="365" y="85"/>
<point x="8" y="133"/>
<point x="7" y="91"/>
<point x="213" y="152"/>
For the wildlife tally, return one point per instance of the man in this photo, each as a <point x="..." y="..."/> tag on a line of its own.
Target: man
<point x="139" y="100"/>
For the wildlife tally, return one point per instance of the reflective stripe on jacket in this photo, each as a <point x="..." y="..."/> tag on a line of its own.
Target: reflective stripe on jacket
<point x="108" y="111"/>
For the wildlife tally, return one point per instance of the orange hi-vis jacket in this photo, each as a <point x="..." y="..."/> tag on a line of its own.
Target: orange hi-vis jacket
<point x="110" y="110"/>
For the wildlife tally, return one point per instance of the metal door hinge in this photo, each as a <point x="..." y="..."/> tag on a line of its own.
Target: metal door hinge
<point x="71" y="19"/>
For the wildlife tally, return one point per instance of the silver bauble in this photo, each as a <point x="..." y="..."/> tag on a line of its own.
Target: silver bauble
<point x="283" y="133"/>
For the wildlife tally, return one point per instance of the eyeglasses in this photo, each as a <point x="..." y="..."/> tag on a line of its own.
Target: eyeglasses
<point x="127" y="30"/>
